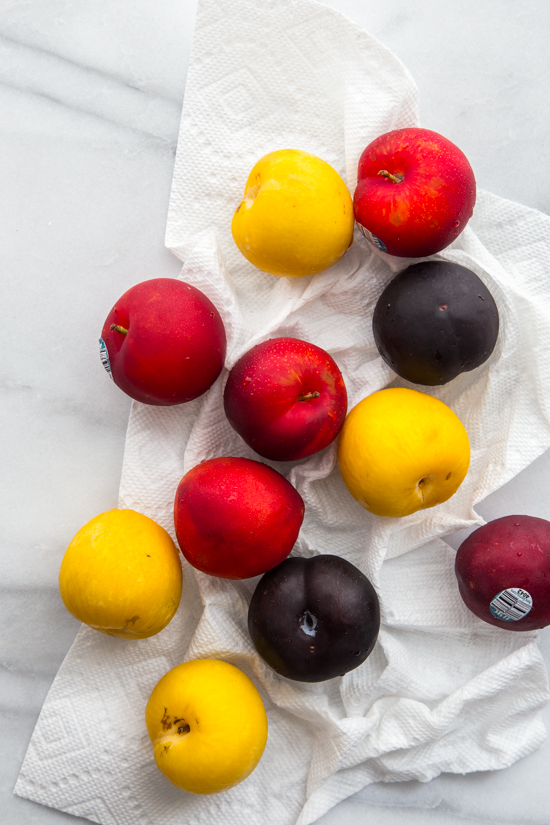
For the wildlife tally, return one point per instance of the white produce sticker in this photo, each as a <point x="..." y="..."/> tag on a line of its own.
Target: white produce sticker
<point x="104" y="355"/>
<point x="372" y="238"/>
<point x="511" y="605"/>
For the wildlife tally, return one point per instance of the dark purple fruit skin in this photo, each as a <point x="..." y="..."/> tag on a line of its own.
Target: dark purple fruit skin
<point x="327" y="596"/>
<point x="434" y="321"/>
<point x="513" y="551"/>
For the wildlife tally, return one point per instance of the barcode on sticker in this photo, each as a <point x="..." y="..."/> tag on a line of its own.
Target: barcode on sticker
<point x="104" y="355"/>
<point x="511" y="605"/>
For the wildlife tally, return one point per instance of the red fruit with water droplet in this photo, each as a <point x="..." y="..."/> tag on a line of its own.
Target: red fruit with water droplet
<point x="415" y="192"/>
<point x="236" y="518"/>
<point x="165" y="342"/>
<point x="286" y="398"/>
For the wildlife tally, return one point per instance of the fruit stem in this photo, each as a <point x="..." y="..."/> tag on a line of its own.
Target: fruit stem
<point x="394" y="178"/>
<point x="117" y="328"/>
<point x="308" y="396"/>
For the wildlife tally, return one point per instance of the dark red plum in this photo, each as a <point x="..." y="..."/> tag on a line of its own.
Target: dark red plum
<point x="434" y="321"/>
<point x="314" y="619"/>
<point x="503" y="572"/>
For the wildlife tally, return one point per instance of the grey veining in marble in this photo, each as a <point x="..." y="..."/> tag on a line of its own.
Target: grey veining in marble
<point x="90" y="99"/>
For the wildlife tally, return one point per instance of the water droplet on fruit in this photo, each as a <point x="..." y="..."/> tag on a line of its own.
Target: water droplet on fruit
<point x="516" y="523"/>
<point x="211" y="314"/>
<point x="456" y="233"/>
<point x="442" y="307"/>
<point x="520" y="554"/>
<point x="456" y="224"/>
<point x="247" y="380"/>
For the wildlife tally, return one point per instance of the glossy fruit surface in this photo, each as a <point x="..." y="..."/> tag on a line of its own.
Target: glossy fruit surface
<point x="236" y="518"/>
<point x="286" y="398"/>
<point x="121" y="575"/>
<point x="415" y="192"/>
<point x="401" y="450"/>
<point x="503" y="572"/>
<point x="169" y="343"/>
<point x="296" y="216"/>
<point x="314" y="619"/>
<point x="208" y="726"/>
<point x="435" y="320"/>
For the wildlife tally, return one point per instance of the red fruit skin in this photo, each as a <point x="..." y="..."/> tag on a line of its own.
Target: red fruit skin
<point x="429" y="208"/>
<point x="513" y="551"/>
<point x="262" y="403"/>
<point x="236" y="518"/>
<point x="175" y="346"/>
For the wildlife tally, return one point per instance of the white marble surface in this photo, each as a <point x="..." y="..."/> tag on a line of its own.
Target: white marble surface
<point x="90" y="97"/>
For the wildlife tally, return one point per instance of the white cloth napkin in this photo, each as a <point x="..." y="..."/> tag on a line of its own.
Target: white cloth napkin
<point x="442" y="690"/>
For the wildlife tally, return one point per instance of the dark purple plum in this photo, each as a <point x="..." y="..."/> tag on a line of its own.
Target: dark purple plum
<point x="313" y="619"/>
<point x="434" y="321"/>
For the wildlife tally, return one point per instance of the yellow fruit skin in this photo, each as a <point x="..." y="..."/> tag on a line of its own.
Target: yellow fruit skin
<point x="226" y="720"/>
<point x="296" y="216"/>
<point x="400" y="451"/>
<point x="121" y="575"/>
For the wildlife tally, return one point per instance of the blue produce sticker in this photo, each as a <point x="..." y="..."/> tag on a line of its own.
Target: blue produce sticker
<point x="372" y="238"/>
<point x="511" y="605"/>
<point x="104" y="355"/>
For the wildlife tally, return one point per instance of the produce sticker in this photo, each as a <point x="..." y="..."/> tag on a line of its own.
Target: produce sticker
<point x="511" y="605"/>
